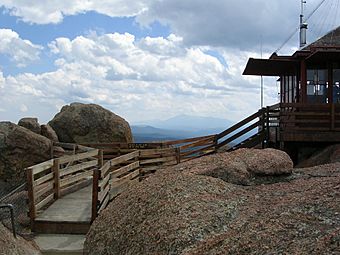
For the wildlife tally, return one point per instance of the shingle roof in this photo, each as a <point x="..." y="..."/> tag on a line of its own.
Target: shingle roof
<point x="330" y="39"/>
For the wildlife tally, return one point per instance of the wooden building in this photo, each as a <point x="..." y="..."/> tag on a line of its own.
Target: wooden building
<point x="309" y="93"/>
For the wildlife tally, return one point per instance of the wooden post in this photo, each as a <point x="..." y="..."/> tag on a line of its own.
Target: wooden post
<point x="100" y="159"/>
<point x="31" y="198"/>
<point x="178" y="155"/>
<point x="262" y="123"/>
<point x="215" y="143"/>
<point x="95" y="186"/>
<point x="267" y="126"/>
<point x="303" y="76"/>
<point x="56" y="171"/>
<point x="332" y="116"/>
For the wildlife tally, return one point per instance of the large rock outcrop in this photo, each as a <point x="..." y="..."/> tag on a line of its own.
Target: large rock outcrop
<point x="15" y="246"/>
<point x="48" y="132"/>
<point x="31" y="124"/>
<point x="90" y="123"/>
<point x="242" y="166"/>
<point x="20" y="148"/>
<point x="163" y="215"/>
<point x="182" y="213"/>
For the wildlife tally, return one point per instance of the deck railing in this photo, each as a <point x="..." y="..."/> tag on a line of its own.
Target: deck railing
<point x="309" y="117"/>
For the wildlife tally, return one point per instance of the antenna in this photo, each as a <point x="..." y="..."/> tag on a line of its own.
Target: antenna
<point x="261" y="77"/>
<point x="303" y="26"/>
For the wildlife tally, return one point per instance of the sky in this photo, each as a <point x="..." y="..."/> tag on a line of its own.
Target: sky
<point x="145" y="59"/>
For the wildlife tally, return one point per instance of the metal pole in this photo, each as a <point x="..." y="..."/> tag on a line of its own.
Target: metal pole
<point x="261" y="79"/>
<point x="11" y="209"/>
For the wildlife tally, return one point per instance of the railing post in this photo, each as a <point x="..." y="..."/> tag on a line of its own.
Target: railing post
<point x="100" y="158"/>
<point x="262" y="123"/>
<point x="267" y="126"/>
<point x="31" y="198"/>
<point x="95" y="187"/>
<point x="332" y="116"/>
<point x="56" y="172"/>
<point x="215" y="143"/>
<point x="178" y="155"/>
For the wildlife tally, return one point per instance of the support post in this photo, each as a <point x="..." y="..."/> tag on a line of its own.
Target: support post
<point x="332" y="116"/>
<point x="31" y="197"/>
<point x="56" y="172"/>
<point x="267" y="126"/>
<point x="215" y="143"/>
<point x="100" y="159"/>
<point x="95" y="186"/>
<point x="262" y="123"/>
<point x="178" y="155"/>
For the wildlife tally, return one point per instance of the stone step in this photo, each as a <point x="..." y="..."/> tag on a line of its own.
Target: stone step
<point x="57" y="244"/>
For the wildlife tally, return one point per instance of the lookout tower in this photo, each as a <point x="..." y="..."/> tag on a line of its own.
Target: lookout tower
<point x="309" y="91"/>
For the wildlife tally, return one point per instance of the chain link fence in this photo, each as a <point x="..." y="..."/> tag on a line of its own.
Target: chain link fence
<point x="15" y="197"/>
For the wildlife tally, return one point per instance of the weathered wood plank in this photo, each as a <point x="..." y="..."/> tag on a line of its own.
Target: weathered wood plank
<point x="126" y="178"/>
<point x="188" y="140"/>
<point x="105" y="169"/>
<point x="156" y="160"/>
<point x="45" y="201"/>
<point x="102" y="194"/>
<point x="238" y="134"/>
<point x="186" y="153"/>
<point x="240" y="124"/>
<point x="104" y="182"/>
<point x="75" y="187"/>
<point x="78" y="167"/>
<point x="95" y="184"/>
<point x="125" y="169"/>
<point x="41" y="167"/>
<point x="71" y="158"/>
<point x="75" y="178"/>
<point x="124" y="158"/>
<point x="31" y="196"/>
<point x="198" y="143"/>
<point x="43" y="179"/>
<point x="48" y="187"/>
<point x="157" y="152"/>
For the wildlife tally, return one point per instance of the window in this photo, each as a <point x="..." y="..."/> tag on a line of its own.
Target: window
<point x="336" y="85"/>
<point x="317" y="84"/>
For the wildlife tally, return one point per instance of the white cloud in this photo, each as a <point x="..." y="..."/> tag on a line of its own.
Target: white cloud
<point x="53" y="11"/>
<point x="137" y="79"/>
<point x="20" y="51"/>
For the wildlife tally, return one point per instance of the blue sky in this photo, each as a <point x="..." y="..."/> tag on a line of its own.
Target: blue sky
<point x="145" y="59"/>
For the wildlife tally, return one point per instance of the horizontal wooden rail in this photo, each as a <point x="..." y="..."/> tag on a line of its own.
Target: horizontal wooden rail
<point x="240" y="124"/>
<point x="188" y="140"/>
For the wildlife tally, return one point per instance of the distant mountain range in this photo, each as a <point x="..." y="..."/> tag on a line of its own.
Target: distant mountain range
<point x="179" y="127"/>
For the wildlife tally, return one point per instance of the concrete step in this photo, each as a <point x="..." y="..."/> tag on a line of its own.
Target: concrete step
<point x="57" y="244"/>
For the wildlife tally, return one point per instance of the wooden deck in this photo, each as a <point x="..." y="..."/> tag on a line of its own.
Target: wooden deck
<point x="69" y="214"/>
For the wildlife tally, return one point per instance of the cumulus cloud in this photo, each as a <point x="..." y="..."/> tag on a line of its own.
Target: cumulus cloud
<point x="138" y="79"/>
<point x="226" y="23"/>
<point x="20" y="51"/>
<point x="53" y="11"/>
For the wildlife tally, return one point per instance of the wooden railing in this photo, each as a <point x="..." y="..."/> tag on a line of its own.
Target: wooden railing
<point x="118" y="173"/>
<point x="57" y="177"/>
<point x="309" y="117"/>
<point x="193" y="147"/>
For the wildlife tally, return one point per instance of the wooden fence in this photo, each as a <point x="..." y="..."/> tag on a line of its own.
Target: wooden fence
<point x="193" y="147"/>
<point x="118" y="173"/>
<point x="57" y="177"/>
